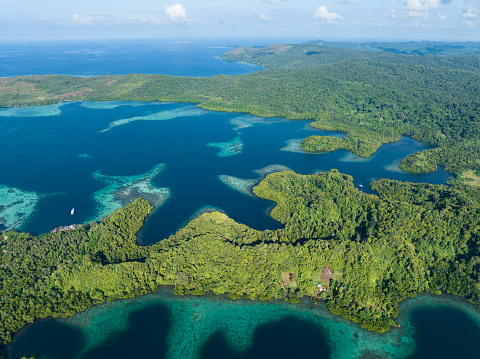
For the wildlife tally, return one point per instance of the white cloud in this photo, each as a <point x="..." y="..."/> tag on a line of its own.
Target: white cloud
<point x="441" y="17"/>
<point x="144" y="21"/>
<point x="89" y="20"/>
<point x="347" y="1"/>
<point x="421" y="5"/>
<point x="262" y="15"/>
<point x="414" y="25"/>
<point x="176" y="13"/>
<point x="469" y="14"/>
<point x="416" y="9"/>
<point x="273" y="1"/>
<point x="392" y="14"/>
<point x="423" y="14"/>
<point x="469" y="23"/>
<point x="469" y="17"/>
<point x="323" y="14"/>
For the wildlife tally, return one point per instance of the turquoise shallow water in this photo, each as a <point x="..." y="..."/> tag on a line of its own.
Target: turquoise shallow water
<point x="161" y="325"/>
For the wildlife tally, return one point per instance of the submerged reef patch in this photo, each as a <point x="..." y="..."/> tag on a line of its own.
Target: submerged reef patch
<point x="393" y="166"/>
<point x="34" y="111"/>
<point x="121" y="190"/>
<point x="350" y="157"/>
<point x="293" y="145"/>
<point x="103" y="105"/>
<point x="196" y="320"/>
<point x="160" y="116"/>
<point x="84" y="155"/>
<point x="16" y="206"/>
<point x="109" y="105"/>
<point x="271" y="169"/>
<point x="206" y="209"/>
<point x="203" y="210"/>
<point x="245" y="185"/>
<point x="239" y="184"/>
<point x="245" y="121"/>
<point x="227" y="149"/>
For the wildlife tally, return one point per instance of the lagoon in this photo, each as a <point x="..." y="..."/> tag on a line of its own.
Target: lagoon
<point x="97" y="157"/>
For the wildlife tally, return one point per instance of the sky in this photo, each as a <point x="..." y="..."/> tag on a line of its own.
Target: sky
<point x="442" y="20"/>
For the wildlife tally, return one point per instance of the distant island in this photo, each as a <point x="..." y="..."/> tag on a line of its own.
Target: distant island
<point x="361" y="253"/>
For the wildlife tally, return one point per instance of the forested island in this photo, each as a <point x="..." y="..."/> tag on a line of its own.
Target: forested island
<point x="368" y="252"/>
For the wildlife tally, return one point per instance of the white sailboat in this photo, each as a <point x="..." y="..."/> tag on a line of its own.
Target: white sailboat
<point x="72" y="212"/>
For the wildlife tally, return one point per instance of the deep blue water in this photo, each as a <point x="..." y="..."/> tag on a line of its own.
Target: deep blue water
<point x="444" y="332"/>
<point x="54" y="152"/>
<point x="118" y="57"/>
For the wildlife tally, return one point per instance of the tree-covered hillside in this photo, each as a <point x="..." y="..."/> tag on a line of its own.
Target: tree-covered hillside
<point x="368" y="252"/>
<point x="416" y="48"/>
<point x="314" y="54"/>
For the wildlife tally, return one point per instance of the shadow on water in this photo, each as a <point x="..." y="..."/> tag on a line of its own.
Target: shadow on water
<point x="445" y="333"/>
<point x="145" y="337"/>
<point x="48" y="339"/>
<point x="287" y="338"/>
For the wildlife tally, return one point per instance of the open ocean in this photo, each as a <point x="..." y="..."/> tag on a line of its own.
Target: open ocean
<point x="93" y="58"/>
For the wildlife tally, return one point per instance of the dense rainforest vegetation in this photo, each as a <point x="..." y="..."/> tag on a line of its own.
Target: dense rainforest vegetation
<point x="421" y="48"/>
<point x="372" y="96"/>
<point x="369" y="252"/>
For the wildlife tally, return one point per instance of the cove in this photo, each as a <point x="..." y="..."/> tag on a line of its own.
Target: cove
<point x="71" y="155"/>
<point x="161" y="325"/>
<point x="97" y="157"/>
